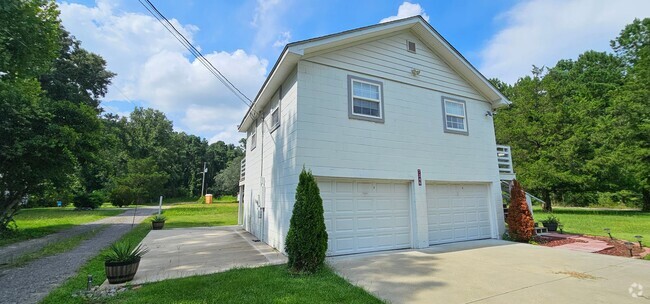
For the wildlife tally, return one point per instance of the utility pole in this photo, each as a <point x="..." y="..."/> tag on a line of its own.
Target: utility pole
<point x="205" y="169"/>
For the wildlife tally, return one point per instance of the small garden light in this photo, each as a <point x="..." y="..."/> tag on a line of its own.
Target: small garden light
<point x="561" y="227"/>
<point x="609" y="232"/>
<point x="629" y="246"/>
<point x="638" y="239"/>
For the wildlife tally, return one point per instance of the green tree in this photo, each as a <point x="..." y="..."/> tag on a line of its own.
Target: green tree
<point x="76" y="75"/>
<point x="143" y="182"/>
<point x="629" y="115"/>
<point x="33" y="149"/>
<point x="555" y="125"/>
<point x="306" y="242"/>
<point x="29" y="37"/>
<point x="227" y="181"/>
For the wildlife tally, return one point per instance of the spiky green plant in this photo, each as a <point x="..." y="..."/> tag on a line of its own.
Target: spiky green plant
<point x="158" y="218"/>
<point x="124" y="252"/>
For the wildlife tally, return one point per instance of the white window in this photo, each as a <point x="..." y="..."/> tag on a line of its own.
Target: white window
<point x="275" y="118"/>
<point x="365" y="100"/>
<point x="275" y="110"/>
<point x="455" y="116"/>
<point x="254" y="136"/>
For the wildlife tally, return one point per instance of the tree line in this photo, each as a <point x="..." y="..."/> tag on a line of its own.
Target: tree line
<point x="57" y="143"/>
<point x="580" y="130"/>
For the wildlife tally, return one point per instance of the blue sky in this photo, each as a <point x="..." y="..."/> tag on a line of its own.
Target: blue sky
<point x="502" y="38"/>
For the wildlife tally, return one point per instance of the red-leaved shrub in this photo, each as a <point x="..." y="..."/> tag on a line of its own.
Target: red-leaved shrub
<point x="521" y="225"/>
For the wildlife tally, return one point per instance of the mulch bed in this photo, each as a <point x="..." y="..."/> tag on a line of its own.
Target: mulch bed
<point x="618" y="246"/>
<point x="550" y="241"/>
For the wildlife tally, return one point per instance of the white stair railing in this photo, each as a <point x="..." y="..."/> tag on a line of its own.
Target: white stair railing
<point x="504" y="159"/>
<point x="242" y="172"/>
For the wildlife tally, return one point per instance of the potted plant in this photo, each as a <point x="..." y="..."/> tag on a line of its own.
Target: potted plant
<point x="551" y="223"/>
<point x="121" y="261"/>
<point x="158" y="222"/>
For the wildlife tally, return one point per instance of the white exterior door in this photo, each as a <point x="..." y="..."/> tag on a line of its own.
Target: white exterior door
<point x="458" y="212"/>
<point x="365" y="215"/>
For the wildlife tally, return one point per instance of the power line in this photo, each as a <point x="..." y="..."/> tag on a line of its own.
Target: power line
<point x="194" y="51"/>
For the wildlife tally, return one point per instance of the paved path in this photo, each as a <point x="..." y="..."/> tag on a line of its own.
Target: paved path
<point x="32" y="282"/>
<point x="583" y="244"/>
<point x="176" y="253"/>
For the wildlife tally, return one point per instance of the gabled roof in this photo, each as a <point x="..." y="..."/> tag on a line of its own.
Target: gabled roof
<point x="294" y="51"/>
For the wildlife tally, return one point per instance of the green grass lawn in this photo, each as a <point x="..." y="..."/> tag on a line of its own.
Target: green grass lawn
<point x="270" y="284"/>
<point x="95" y="267"/>
<point x="57" y="247"/>
<point x="201" y="215"/>
<point x="38" y="222"/>
<point x="625" y="224"/>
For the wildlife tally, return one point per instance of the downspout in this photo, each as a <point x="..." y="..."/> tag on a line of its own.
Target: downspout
<point x="262" y="182"/>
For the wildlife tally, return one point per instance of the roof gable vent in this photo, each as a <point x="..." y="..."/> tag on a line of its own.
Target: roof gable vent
<point x="410" y="46"/>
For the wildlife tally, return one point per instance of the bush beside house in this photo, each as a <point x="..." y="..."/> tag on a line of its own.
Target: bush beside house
<point x="521" y="226"/>
<point x="307" y="238"/>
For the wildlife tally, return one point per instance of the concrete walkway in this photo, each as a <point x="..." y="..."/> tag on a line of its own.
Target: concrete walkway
<point x="493" y="271"/>
<point x="183" y="252"/>
<point x="32" y="282"/>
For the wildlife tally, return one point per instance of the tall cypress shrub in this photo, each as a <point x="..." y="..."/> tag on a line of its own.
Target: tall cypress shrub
<point x="521" y="226"/>
<point x="306" y="242"/>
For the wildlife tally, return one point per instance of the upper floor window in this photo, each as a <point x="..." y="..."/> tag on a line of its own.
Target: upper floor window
<point x="275" y="110"/>
<point x="365" y="99"/>
<point x="253" y="142"/>
<point x="275" y="118"/>
<point x="455" y="115"/>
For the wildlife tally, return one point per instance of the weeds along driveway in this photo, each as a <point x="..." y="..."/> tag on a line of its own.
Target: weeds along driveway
<point x="182" y="252"/>
<point x="493" y="271"/>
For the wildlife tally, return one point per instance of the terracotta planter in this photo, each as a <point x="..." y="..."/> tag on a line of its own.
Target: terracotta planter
<point x="120" y="272"/>
<point x="157" y="225"/>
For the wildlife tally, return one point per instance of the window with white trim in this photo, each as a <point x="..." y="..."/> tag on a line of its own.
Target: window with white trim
<point x="275" y="110"/>
<point x="253" y="143"/>
<point x="455" y="115"/>
<point x="275" y="118"/>
<point x="365" y="99"/>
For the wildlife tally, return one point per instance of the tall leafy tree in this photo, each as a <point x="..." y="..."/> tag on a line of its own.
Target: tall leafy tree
<point x="629" y="116"/>
<point x="32" y="150"/>
<point x="227" y="181"/>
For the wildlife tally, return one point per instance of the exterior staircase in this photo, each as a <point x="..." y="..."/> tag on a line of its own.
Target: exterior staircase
<point x="507" y="174"/>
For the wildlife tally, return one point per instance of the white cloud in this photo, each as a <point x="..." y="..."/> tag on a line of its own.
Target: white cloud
<point x="154" y="69"/>
<point x="267" y="20"/>
<point x="405" y="10"/>
<point x="283" y="39"/>
<point x="541" y="32"/>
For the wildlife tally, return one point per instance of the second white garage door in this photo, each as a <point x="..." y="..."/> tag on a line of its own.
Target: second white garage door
<point x="458" y="212"/>
<point x="365" y="216"/>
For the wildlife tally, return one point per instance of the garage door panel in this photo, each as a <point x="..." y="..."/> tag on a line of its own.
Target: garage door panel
<point x="343" y="187"/>
<point x="373" y="216"/>
<point x="457" y="213"/>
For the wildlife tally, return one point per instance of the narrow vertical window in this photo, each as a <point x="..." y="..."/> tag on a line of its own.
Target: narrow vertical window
<point x="253" y="143"/>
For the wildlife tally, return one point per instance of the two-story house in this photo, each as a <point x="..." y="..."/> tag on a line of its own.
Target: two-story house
<point x="397" y="127"/>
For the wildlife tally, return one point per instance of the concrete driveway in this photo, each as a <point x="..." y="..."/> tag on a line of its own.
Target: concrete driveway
<point x="183" y="252"/>
<point x="492" y="271"/>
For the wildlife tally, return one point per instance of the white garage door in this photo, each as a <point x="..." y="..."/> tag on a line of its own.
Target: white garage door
<point x="458" y="213"/>
<point x="364" y="216"/>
